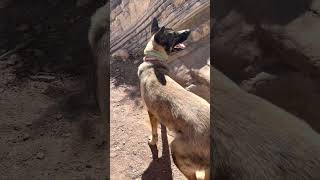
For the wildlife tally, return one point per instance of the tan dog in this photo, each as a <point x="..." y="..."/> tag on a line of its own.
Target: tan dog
<point x="98" y="37"/>
<point x="170" y="104"/>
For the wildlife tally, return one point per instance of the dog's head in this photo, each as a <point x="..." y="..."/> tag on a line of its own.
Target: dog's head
<point x="170" y="40"/>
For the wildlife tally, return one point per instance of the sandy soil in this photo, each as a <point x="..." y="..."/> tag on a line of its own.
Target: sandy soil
<point x="50" y="127"/>
<point x="49" y="131"/>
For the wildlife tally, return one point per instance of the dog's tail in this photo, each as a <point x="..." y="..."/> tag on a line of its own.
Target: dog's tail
<point x="202" y="175"/>
<point x="98" y="25"/>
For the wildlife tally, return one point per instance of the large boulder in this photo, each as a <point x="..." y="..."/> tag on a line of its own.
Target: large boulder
<point x="271" y="49"/>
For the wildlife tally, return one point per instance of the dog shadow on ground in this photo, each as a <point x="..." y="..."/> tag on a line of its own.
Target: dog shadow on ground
<point x="160" y="167"/>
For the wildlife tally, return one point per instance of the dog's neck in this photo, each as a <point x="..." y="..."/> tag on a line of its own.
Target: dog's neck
<point x="154" y="52"/>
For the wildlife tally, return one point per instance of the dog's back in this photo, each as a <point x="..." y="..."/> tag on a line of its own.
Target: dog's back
<point x="166" y="97"/>
<point x="179" y="110"/>
<point x="246" y="146"/>
<point x="98" y="30"/>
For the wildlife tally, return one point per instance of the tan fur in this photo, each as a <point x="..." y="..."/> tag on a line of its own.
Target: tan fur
<point x="179" y="110"/>
<point x="98" y="40"/>
<point x="253" y="139"/>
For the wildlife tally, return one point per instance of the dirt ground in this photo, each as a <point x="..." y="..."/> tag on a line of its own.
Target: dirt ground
<point x="130" y="155"/>
<point x="50" y="127"/>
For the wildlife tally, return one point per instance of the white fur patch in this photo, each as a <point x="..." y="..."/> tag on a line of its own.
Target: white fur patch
<point x="182" y="31"/>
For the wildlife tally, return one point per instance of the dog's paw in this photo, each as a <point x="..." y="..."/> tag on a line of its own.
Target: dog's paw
<point x="153" y="140"/>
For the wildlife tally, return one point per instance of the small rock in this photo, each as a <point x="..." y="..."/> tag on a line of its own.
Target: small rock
<point x="17" y="128"/>
<point x="44" y="78"/>
<point x="113" y="154"/>
<point x="13" y="59"/>
<point x="67" y="135"/>
<point x="101" y="143"/>
<point x="59" y="116"/>
<point x="9" y="79"/>
<point x="136" y="62"/>
<point x="26" y="137"/>
<point x="40" y="155"/>
<point x="28" y="124"/>
<point x="79" y="168"/>
<point x="122" y="54"/>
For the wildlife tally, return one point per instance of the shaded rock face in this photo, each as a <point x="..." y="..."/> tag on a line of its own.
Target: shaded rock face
<point x="130" y="30"/>
<point x="272" y="52"/>
<point x="131" y="20"/>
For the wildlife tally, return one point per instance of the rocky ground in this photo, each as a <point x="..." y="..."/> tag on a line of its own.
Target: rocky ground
<point x="50" y="127"/>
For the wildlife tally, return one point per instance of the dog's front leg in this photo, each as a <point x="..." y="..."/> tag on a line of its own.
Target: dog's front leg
<point x="153" y="139"/>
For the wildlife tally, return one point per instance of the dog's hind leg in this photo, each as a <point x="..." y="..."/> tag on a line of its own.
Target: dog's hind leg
<point x="203" y="175"/>
<point x="181" y="161"/>
<point x="153" y="139"/>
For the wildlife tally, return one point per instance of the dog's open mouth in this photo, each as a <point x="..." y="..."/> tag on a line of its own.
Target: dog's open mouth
<point x="179" y="47"/>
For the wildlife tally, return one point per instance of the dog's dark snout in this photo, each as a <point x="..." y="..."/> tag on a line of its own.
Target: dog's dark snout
<point x="183" y="35"/>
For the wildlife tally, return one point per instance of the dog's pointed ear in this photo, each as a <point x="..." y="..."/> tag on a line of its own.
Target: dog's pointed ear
<point x="154" y="26"/>
<point x="161" y="30"/>
<point x="159" y="33"/>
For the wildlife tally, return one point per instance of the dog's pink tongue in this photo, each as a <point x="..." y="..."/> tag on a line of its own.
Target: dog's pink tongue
<point x="180" y="46"/>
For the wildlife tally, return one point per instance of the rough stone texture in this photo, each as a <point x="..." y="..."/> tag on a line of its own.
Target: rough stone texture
<point x="271" y="52"/>
<point x="191" y="68"/>
<point x="130" y="20"/>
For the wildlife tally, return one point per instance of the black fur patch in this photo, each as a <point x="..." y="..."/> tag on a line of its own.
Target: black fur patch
<point x="167" y="37"/>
